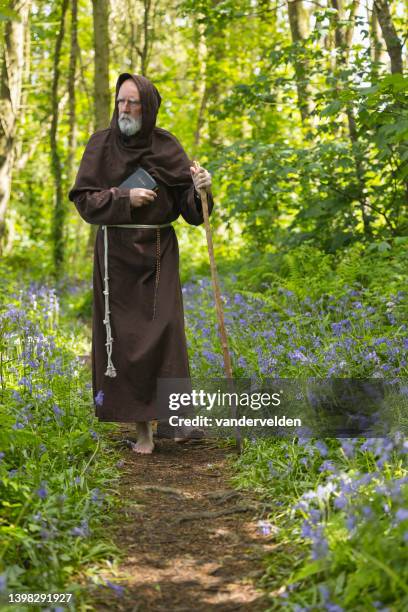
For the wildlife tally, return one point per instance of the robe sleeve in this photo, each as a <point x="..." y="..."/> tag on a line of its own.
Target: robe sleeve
<point x="105" y="207"/>
<point x="189" y="204"/>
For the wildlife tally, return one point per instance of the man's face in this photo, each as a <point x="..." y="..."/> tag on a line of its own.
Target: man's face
<point x="129" y="108"/>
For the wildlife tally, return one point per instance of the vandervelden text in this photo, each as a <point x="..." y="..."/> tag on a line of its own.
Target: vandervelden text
<point x="244" y="421"/>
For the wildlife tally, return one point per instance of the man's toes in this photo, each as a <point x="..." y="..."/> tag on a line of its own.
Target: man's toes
<point x="143" y="448"/>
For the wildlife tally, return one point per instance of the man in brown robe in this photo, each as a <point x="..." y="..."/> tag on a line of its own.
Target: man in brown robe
<point x="138" y="321"/>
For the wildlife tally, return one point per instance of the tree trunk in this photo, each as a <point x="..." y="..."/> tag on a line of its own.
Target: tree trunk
<point x="10" y="98"/>
<point x="101" y="79"/>
<point x="59" y="206"/>
<point x="215" y="53"/>
<point x="199" y="81"/>
<point x="144" y="51"/>
<point x="394" y="49"/>
<point x="376" y="47"/>
<point x="72" y="136"/>
<point x="71" y="90"/>
<point x="392" y="42"/>
<point x="343" y="39"/>
<point x="299" y="27"/>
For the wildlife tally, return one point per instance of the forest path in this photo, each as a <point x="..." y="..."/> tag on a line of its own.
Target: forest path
<point x="174" y="562"/>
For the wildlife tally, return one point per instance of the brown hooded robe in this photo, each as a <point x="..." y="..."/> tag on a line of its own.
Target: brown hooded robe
<point x="148" y="332"/>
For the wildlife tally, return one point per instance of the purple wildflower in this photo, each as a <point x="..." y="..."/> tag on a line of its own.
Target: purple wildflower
<point x="348" y="447"/>
<point x="3" y="582"/>
<point x="117" y="588"/>
<point x="57" y="410"/>
<point x="321" y="447"/>
<point x="351" y="522"/>
<point x="82" y="531"/>
<point x="264" y="527"/>
<point x="42" y="491"/>
<point x="320" y="547"/>
<point x="327" y="466"/>
<point x="99" y="398"/>
<point x="401" y="515"/>
<point x="340" y="502"/>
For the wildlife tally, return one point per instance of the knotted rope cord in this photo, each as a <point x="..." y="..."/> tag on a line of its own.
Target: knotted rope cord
<point x="156" y="285"/>
<point x="110" y="369"/>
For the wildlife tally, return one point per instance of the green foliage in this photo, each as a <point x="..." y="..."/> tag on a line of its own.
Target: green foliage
<point x="345" y="501"/>
<point x="57" y="468"/>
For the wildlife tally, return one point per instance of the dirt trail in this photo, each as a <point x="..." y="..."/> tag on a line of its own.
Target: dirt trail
<point x="174" y="560"/>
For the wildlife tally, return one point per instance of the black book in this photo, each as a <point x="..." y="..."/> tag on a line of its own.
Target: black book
<point x="140" y="178"/>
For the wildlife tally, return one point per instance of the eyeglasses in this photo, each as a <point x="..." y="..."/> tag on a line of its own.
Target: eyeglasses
<point x="132" y="103"/>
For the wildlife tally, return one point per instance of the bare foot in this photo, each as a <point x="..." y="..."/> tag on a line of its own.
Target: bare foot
<point x="143" y="447"/>
<point x="144" y="444"/>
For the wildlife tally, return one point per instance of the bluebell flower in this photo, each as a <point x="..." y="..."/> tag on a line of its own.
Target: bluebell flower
<point x="327" y="466"/>
<point x="321" y="447"/>
<point x="351" y="522"/>
<point x="117" y="588"/>
<point x="340" y="502"/>
<point x="99" y="398"/>
<point x="264" y="527"/>
<point x="18" y="425"/>
<point x="367" y="511"/>
<point x="315" y="515"/>
<point x="320" y="547"/>
<point x="42" y="491"/>
<point x="3" y="582"/>
<point x="348" y="447"/>
<point x="401" y="515"/>
<point x="307" y="529"/>
<point x="57" y="410"/>
<point x="324" y="592"/>
<point x="82" y="531"/>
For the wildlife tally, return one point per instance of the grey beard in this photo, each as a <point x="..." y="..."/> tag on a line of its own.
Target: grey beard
<point x="128" y="125"/>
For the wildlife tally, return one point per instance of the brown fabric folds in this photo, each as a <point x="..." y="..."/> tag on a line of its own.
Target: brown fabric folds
<point x="110" y="156"/>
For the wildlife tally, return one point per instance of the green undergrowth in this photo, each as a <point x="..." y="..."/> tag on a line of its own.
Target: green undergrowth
<point x="336" y="512"/>
<point x="58" y="470"/>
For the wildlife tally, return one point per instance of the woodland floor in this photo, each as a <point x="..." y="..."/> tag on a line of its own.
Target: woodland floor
<point x="177" y="558"/>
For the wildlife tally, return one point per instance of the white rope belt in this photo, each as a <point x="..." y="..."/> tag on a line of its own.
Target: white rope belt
<point x="111" y="370"/>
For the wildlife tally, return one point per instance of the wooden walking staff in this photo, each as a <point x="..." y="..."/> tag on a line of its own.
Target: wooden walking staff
<point x="218" y="304"/>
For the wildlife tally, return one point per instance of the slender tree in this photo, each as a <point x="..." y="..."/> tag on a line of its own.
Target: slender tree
<point x="376" y="45"/>
<point x="299" y="27"/>
<point x="59" y="206"/>
<point x="144" y="50"/>
<point x="392" y="41"/>
<point x="101" y="74"/>
<point x="344" y="25"/>
<point x="101" y="59"/>
<point x="10" y="97"/>
<point x="73" y="56"/>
